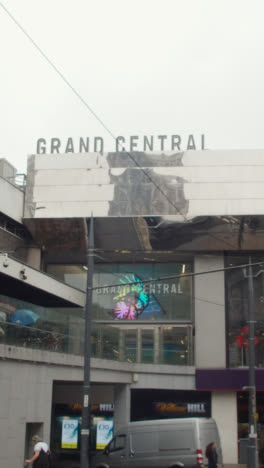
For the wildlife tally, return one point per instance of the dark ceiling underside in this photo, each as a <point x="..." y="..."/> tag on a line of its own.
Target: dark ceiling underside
<point x="21" y="290"/>
<point x="150" y="234"/>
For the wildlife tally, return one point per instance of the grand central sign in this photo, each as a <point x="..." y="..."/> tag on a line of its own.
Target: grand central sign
<point x="131" y="143"/>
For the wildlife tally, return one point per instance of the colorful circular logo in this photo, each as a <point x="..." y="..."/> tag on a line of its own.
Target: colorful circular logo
<point x="131" y="300"/>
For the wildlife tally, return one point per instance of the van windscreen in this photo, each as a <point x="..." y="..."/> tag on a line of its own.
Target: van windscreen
<point x="179" y="439"/>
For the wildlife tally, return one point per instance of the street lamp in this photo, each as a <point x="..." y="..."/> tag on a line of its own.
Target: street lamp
<point x="252" y="417"/>
<point x="86" y="417"/>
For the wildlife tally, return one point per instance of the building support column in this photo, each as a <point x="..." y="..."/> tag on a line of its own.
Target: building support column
<point x="122" y="405"/>
<point x="224" y="411"/>
<point x="209" y="305"/>
<point x="121" y="344"/>
<point x="157" y="345"/>
<point x="139" y="345"/>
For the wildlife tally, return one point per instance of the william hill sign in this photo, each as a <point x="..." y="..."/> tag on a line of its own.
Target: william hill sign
<point x="131" y="143"/>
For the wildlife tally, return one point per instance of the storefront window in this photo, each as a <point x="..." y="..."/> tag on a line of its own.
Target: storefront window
<point x="127" y="292"/>
<point x="237" y="312"/>
<point x="137" y="315"/>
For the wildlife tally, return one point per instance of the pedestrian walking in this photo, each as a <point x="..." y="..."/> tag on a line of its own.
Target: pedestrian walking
<point x="41" y="457"/>
<point x="211" y="454"/>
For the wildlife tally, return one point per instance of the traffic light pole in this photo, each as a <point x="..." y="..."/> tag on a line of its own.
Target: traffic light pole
<point x="85" y="428"/>
<point x="252" y="446"/>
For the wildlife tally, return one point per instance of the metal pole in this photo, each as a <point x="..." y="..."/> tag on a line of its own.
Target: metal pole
<point x="85" y="429"/>
<point x="252" y="447"/>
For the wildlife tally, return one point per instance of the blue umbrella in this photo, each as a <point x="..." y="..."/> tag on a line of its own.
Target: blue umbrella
<point x="23" y="317"/>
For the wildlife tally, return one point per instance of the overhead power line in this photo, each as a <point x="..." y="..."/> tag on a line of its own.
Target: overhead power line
<point x="89" y="108"/>
<point x="66" y="81"/>
<point x="180" y="276"/>
<point x="55" y="68"/>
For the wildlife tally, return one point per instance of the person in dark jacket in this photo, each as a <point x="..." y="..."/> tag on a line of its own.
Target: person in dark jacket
<point x="211" y="454"/>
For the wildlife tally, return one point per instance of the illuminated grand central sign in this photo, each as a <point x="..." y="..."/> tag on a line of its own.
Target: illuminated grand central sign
<point x="131" y="143"/>
<point x="134" y="297"/>
<point x="149" y="288"/>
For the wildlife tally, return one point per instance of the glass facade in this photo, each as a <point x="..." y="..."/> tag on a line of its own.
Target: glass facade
<point x="134" y="291"/>
<point x="137" y="315"/>
<point x="127" y="292"/>
<point x="237" y="311"/>
<point x="51" y="329"/>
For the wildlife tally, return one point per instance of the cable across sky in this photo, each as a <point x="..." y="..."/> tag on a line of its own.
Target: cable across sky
<point x="106" y="128"/>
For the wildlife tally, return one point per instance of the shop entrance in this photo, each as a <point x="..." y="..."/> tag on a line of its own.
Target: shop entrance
<point x="66" y="420"/>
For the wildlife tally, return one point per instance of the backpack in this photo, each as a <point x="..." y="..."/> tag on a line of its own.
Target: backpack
<point x="43" y="460"/>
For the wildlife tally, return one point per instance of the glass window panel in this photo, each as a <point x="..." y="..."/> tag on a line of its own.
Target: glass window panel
<point x="121" y="293"/>
<point x="147" y="346"/>
<point x="52" y="329"/>
<point x="122" y="297"/>
<point x="118" y="443"/>
<point x="175" y="345"/>
<point x="73" y="275"/>
<point x="110" y="343"/>
<point x="237" y="308"/>
<point x="131" y="345"/>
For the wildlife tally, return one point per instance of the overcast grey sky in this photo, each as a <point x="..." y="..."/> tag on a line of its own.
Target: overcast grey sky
<point x="146" y="67"/>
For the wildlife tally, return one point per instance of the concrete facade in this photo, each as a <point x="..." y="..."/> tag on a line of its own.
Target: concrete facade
<point x="224" y="411"/>
<point x="210" y="326"/>
<point x="26" y="397"/>
<point x="27" y="378"/>
<point x="200" y="219"/>
<point x="11" y="200"/>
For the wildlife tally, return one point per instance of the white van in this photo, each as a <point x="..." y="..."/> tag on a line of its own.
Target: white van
<point x="164" y="443"/>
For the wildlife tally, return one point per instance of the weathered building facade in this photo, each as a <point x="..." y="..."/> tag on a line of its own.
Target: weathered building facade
<point x="168" y="304"/>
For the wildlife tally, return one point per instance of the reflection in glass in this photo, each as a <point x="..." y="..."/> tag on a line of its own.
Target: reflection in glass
<point x="33" y="326"/>
<point x="120" y="291"/>
<point x="73" y="275"/>
<point x="147" y="346"/>
<point x="136" y="316"/>
<point x="237" y="306"/>
<point x="159" y="345"/>
<point x="175" y="346"/>
<point x="130" y="345"/>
